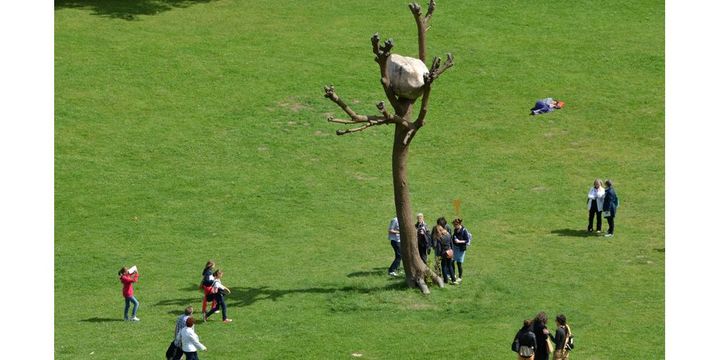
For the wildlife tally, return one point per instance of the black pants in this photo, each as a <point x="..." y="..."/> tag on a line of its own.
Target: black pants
<point x="423" y="252"/>
<point x="611" y="224"/>
<point x="594" y="213"/>
<point x="219" y="304"/>
<point x="191" y="355"/>
<point x="396" y="263"/>
<point x="448" y="269"/>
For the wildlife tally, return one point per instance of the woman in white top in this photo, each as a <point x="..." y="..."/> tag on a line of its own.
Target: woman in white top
<point x="189" y="340"/>
<point x="596" y="196"/>
<point x="219" y="290"/>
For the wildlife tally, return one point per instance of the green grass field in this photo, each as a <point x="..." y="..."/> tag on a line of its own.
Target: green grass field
<point x="195" y="130"/>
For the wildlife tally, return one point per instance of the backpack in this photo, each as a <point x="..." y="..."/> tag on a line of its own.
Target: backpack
<point x="526" y="351"/>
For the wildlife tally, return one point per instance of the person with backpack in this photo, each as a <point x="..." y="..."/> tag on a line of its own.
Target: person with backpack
<point x="461" y="239"/>
<point x="525" y="342"/>
<point x="610" y="207"/>
<point x="127" y="278"/>
<point x="423" y="237"/>
<point x="561" y="338"/>
<point x="218" y="292"/>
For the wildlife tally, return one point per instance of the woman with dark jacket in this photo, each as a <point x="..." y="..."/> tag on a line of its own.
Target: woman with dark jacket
<point x="541" y="334"/>
<point x="610" y="206"/>
<point x="561" y="337"/>
<point x="526" y="338"/>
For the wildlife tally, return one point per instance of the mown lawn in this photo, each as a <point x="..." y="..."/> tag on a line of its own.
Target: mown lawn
<point x="195" y="130"/>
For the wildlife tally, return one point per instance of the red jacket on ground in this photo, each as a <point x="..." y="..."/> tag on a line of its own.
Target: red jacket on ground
<point x="127" y="281"/>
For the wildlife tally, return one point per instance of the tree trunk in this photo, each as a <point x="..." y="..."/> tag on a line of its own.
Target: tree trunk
<point x="415" y="268"/>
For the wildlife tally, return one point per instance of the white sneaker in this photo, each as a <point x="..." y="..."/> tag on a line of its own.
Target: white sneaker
<point x="134" y="318"/>
<point x="459" y="280"/>
<point x="393" y="273"/>
<point x="609" y="235"/>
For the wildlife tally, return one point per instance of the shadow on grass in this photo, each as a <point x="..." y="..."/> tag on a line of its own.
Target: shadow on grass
<point x="97" y="320"/>
<point x="126" y="9"/>
<point x="180" y="302"/>
<point x="246" y="296"/>
<point x="373" y="272"/>
<point x="573" y="233"/>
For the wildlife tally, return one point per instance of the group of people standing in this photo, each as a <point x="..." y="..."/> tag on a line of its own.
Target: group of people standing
<point x="602" y="202"/>
<point x="535" y="342"/>
<point x="448" y="244"/>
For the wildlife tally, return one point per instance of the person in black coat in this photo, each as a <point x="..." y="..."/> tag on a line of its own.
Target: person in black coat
<point x="526" y="337"/>
<point x="541" y="334"/>
<point x="610" y="207"/>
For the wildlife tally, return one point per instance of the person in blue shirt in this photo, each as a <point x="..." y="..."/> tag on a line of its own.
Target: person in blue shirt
<point x="610" y="206"/>
<point x="546" y="105"/>
<point x="394" y="237"/>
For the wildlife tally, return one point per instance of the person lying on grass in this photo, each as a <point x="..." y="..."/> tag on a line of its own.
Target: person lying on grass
<point x="546" y="105"/>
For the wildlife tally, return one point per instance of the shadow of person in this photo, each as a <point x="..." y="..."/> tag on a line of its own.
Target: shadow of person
<point x="375" y="271"/>
<point x="573" y="233"/>
<point x="98" y="319"/>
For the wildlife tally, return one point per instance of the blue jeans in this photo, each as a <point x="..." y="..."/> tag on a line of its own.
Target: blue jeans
<point x="396" y="263"/>
<point x="136" y="304"/>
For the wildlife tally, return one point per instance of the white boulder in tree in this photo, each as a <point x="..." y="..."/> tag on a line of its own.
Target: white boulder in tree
<point x="406" y="76"/>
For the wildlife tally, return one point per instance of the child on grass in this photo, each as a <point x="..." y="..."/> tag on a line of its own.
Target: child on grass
<point x="127" y="278"/>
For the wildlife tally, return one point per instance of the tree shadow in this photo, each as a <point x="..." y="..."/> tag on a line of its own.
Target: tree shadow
<point x="573" y="233"/>
<point x="126" y="9"/>
<point x="97" y="320"/>
<point x="373" y="272"/>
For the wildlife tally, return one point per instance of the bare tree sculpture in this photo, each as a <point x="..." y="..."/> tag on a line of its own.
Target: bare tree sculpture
<point x="404" y="80"/>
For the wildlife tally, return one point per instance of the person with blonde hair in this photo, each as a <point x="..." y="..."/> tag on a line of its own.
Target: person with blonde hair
<point x="595" y="198"/>
<point x="444" y="241"/>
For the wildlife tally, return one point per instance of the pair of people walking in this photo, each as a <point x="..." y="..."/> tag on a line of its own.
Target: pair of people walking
<point x="602" y="202"/>
<point x="213" y="291"/>
<point x="185" y="341"/>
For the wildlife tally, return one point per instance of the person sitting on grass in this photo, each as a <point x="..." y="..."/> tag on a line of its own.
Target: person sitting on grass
<point x="219" y="291"/>
<point x="546" y="105"/>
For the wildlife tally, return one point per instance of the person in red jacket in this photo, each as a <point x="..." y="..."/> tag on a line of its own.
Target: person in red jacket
<point x="127" y="278"/>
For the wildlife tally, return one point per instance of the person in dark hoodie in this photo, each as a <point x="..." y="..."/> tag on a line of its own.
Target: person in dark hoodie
<point x="540" y="329"/>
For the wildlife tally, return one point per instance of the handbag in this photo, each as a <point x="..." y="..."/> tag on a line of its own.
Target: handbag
<point x="607" y="214"/>
<point x="448" y="254"/>
<point x="526" y="351"/>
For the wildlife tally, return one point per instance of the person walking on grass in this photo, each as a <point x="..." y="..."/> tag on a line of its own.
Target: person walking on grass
<point x="127" y="278"/>
<point x="595" y="199"/>
<point x="174" y="351"/>
<point x="219" y="291"/>
<point x="394" y="237"/>
<point x="461" y="239"/>
<point x="190" y="340"/>
<point x="610" y="207"/>
<point x="206" y="285"/>
<point x="562" y="335"/>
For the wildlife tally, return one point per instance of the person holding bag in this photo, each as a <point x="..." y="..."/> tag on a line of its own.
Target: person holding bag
<point x="561" y="338"/>
<point x="443" y="239"/>
<point x="525" y="342"/>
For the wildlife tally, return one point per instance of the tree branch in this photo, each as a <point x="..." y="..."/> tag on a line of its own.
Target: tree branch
<point x="436" y="68"/>
<point x="381" y="55"/>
